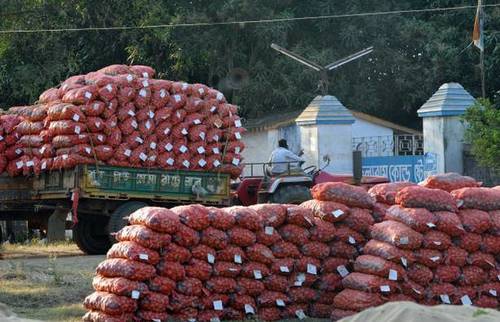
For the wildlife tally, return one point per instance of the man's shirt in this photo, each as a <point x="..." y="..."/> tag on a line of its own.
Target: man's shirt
<point x="283" y="155"/>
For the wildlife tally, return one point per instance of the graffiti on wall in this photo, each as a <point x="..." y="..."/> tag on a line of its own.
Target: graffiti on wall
<point x="414" y="168"/>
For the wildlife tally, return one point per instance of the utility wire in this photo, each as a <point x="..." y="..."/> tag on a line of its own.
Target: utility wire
<point x="223" y="23"/>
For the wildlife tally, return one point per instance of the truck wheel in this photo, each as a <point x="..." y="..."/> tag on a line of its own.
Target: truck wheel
<point x="90" y="235"/>
<point x="290" y="194"/>
<point x="116" y="221"/>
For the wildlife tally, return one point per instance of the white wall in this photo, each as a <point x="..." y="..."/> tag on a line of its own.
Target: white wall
<point x="362" y="128"/>
<point x="335" y="140"/>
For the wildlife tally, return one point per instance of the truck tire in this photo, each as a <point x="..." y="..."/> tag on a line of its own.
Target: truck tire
<point x="116" y="221"/>
<point x="290" y="194"/>
<point x="91" y="236"/>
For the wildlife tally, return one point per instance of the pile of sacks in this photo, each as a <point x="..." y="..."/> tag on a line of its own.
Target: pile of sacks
<point x="122" y="116"/>
<point x="270" y="261"/>
<point x="438" y="243"/>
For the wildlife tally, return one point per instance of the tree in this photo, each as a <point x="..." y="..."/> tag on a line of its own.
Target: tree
<point x="483" y="133"/>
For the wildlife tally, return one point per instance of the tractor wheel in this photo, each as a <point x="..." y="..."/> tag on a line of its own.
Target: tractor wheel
<point x="290" y="194"/>
<point x="116" y="221"/>
<point x="91" y="236"/>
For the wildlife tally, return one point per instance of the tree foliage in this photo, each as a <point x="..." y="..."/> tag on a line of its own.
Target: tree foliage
<point x="414" y="53"/>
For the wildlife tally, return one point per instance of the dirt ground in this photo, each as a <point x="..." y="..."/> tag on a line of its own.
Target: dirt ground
<point x="48" y="287"/>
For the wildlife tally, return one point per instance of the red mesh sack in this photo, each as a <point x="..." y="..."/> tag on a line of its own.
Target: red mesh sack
<point x="80" y="95"/>
<point x="449" y="181"/>
<point x="276" y="283"/>
<point x="166" y="161"/>
<point x="110" y="109"/>
<point x="316" y="250"/>
<point x="250" y="286"/>
<point x="115" y="69"/>
<point x="98" y="316"/>
<point x="142" y="71"/>
<point x="302" y="294"/>
<point x="186" y="236"/>
<point x="294" y="234"/>
<point x="94" y="108"/>
<point x="173" y="270"/>
<point x="156" y="218"/>
<point x="327" y="210"/>
<point x="472" y="275"/>
<point x="495" y="222"/>
<point x="388" y="252"/>
<point x="368" y="283"/>
<point x="143" y="236"/>
<point x="429" y="257"/>
<point x="348" y="235"/>
<point x="66" y="127"/>
<point x="285" y="250"/>
<point x="436" y="240"/>
<point x="379" y="211"/>
<point x="199" y="269"/>
<point x="413" y="289"/>
<point x="152" y="316"/>
<point x="30" y="141"/>
<point x="318" y="310"/>
<point x="269" y="314"/>
<point x="220" y="219"/>
<point x="133" y="251"/>
<point x="419" y="219"/>
<point x="132" y="270"/>
<point x="377" y="266"/>
<point x="421" y="197"/>
<point x="125" y="94"/>
<point x="284" y="266"/>
<point x="344" y="193"/>
<point x="184" y="303"/>
<point x="255" y="270"/>
<point x="222" y="285"/>
<point x="176" y="253"/>
<point x="227" y="269"/>
<point x="246" y="217"/>
<point x="490" y="288"/>
<point x="202" y="252"/>
<point x="161" y="284"/>
<point x="486" y="302"/>
<point x="483" y="260"/>
<point x="435" y="290"/>
<point x="129" y="126"/>
<point x="322" y="231"/>
<point x="354" y="300"/>
<point x="146" y="114"/>
<point x="491" y="244"/>
<point x="58" y="112"/>
<point x="475" y="221"/>
<point x="338" y="314"/>
<point x="400" y="298"/>
<point x="214" y="238"/>
<point x="343" y="250"/>
<point x="268" y="236"/>
<point x="146" y="127"/>
<point x="118" y="285"/>
<point x="360" y="220"/>
<point x="447" y="274"/>
<point x="449" y="223"/>
<point x="239" y="302"/>
<point x="478" y="198"/>
<point x="155" y="302"/>
<point x="190" y="286"/>
<point x="273" y="215"/>
<point x="329" y="282"/>
<point x="260" y="253"/>
<point x="397" y="234"/>
<point x="213" y="135"/>
<point x="164" y="128"/>
<point x="114" y="138"/>
<point x="300" y="216"/>
<point x="456" y="256"/>
<point x="143" y="97"/>
<point x="294" y="311"/>
<point x="103" y="152"/>
<point x="210" y="315"/>
<point x="160" y="97"/>
<point x="230" y="253"/>
<point x="272" y="299"/>
<point x="109" y="303"/>
<point x="386" y="192"/>
<point x="193" y="216"/>
<point x="241" y="237"/>
<point x="330" y="264"/>
<point x="49" y="95"/>
<point x="27" y="128"/>
<point x="305" y="264"/>
<point x="127" y="111"/>
<point x="470" y="242"/>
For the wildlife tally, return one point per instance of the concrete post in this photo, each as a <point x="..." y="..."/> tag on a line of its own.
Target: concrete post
<point x="56" y="229"/>
<point x="443" y="128"/>
<point x="326" y="129"/>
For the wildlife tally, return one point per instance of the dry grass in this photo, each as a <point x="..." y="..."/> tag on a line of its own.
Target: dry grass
<point x="36" y="248"/>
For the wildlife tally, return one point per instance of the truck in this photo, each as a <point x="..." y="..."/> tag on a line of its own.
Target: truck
<point x="94" y="200"/>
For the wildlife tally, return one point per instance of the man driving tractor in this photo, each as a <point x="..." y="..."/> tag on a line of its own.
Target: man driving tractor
<point x="283" y="160"/>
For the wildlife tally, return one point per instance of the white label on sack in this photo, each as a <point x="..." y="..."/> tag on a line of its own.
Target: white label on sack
<point x="151" y="114"/>
<point x="197" y="121"/>
<point x="416" y="291"/>
<point x="498" y="277"/>
<point x="237" y="123"/>
<point x="210" y="258"/>
<point x="393" y="275"/>
<point x="430" y="225"/>
<point x="235" y="161"/>
<point x="156" y="320"/>
<point x="233" y="269"/>
<point x="404" y="262"/>
<point x="385" y="288"/>
<point x="284" y="269"/>
<point x="19" y="164"/>
<point x="44" y="165"/>
<point x="257" y="274"/>
<point x="184" y="86"/>
<point x="143" y="93"/>
<point x="88" y="150"/>
<point x="215" y="150"/>
<point x="145" y="75"/>
<point x="177" y="98"/>
<point x="130" y="78"/>
<point x="135" y="294"/>
<point x="216" y="163"/>
<point x="18" y="151"/>
<point x="145" y="83"/>
<point x="337" y="213"/>
<point x="300" y="314"/>
<point x="403" y="240"/>
<point x="342" y="270"/>
<point x="202" y="163"/>
<point x="178" y="114"/>
<point x="466" y="300"/>
<point x="134" y="124"/>
<point x="201" y="91"/>
<point x="311" y="269"/>
<point x="95" y="106"/>
<point x="220" y="96"/>
<point x="237" y="149"/>
<point x="213" y="108"/>
<point x="143" y="256"/>
<point x="143" y="157"/>
<point x="42" y="149"/>
<point x="76" y="117"/>
<point x="301" y="278"/>
<point x="109" y="88"/>
<point x="77" y="129"/>
<point x="200" y="150"/>
<point x="237" y="135"/>
<point x="435" y="258"/>
<point x="152" y="157"/>
<point x="100" y="138"/>
<point x="249" y="309"/>
<point x="216" y="138"/>
<point x="139" y="140"/>
<point x="170" y="161"/>
<point x="184" y="131"/>
<point x="131" y="113"/>
<point x="148" y="125"/>
<point x="166" y="131"/>
<point x="189" y="320"/>
<point x="351" y="240"/>
<point x="183" y="148"/>
<point x="202" y="135"/>
<point x="268" y="230"/>
<point x="493" y="292"/>
<point x="218" y="305"/>
<point x="280" y="302"/>
<point x="110" y="106"/>
<point x="169" y="147"/>
<point x="152" y="145"/>
<point x="30" y="163"/>
<point x="162" y="93"/>
<point x="98" y="124"/>
<point x="445" y="298"/>
<point x="214" y="319"/>
<point x="1" y="138"/>
<point x="437" y="243"/>
<point x="237" y="259"/>
<point x="460" y="203"/>
<point x="185" y="163"/>
<point x="88" y="95"/>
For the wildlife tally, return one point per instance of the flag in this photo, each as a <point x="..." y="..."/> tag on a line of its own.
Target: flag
<point x="478" y="34"/>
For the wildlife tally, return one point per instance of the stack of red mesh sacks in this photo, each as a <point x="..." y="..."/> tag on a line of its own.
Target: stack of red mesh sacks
<point x="349" y="208"/>
<point x="8" y="139"/>
<point x="121" y="116"/>
<point x="208" y="264"/>
<point x="428" y="251"/>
